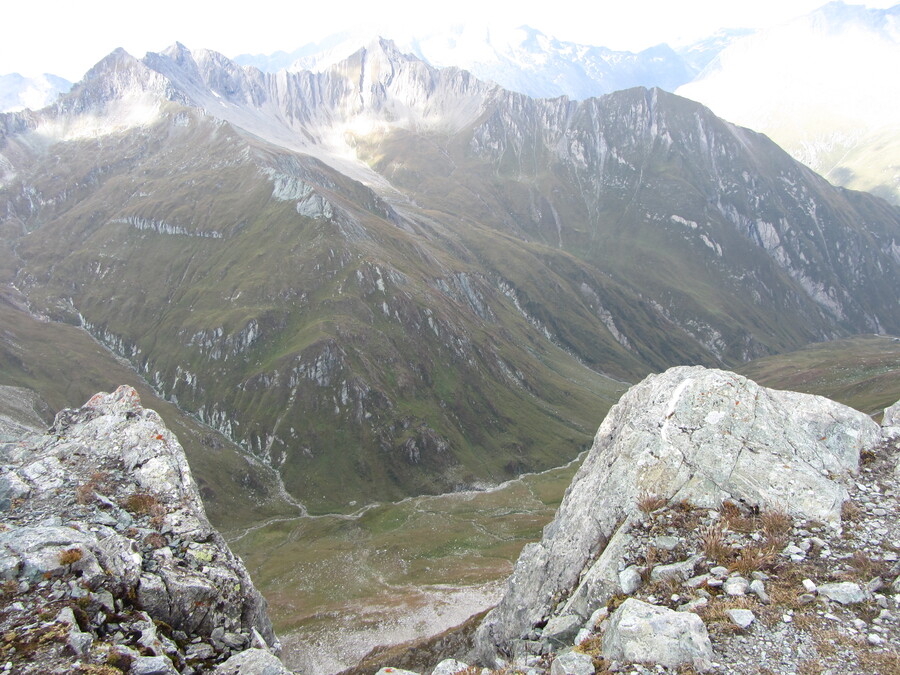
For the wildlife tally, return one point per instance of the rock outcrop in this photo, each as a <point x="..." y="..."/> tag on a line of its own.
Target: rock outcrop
<point x="106" y="554"/>
<point x="687" y="436"/>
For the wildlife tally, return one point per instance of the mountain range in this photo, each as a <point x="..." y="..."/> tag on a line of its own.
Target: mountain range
<point x="386" y="278"/>
<point x="816" y="85"/>
<point x="521" y="59"/>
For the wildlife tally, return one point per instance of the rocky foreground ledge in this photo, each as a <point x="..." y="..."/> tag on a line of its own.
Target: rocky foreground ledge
<point x="107" y="560"/>
<point x="715" y="526"/>
<point x="701" y="488"/>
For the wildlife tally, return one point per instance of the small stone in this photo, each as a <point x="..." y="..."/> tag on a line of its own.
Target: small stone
<point x="875" y="584"/>
<point x="809" y="585"/>
<point x="449" y="667"/>
<point x="200" y="651"/>
<point x="666" y="543"/>
<point x="639" y="631"/>
<point x="758" y="588"/>
<point x="152" y="665"/>
<point x="696" y="582"/>
<point x="630" y="579"/>
<point x="759" y="575"/>
<point x="235" y="640"/>
<point x="583" y="635"/>
<point x="561" y="630"/>
<point x="598" y="616"/>
<point x="859" y="624"/>
<point x="735" y="586"/>
<point x="682" y="571"/>
<point x="261" y="662"/>
<point x="719" y="571"/>
<point x="806" y="599"/>
<point x="874" y="639"/>
<point x="572" y="663"/>
<point x="741" y="617"/>
<point x="844" y="592"/>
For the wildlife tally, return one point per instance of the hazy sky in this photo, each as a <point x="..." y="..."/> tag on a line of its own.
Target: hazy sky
<point x="67" y="37"/>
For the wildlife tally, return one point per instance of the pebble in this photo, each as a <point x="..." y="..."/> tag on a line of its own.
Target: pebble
<point x="759" y="590"/>
<point x="741" y="617"/>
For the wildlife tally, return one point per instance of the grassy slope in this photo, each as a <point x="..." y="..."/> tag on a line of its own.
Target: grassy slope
<point x="66" y="367"/>
<point x="862" y="372"/>
<point x="361" y="293"/>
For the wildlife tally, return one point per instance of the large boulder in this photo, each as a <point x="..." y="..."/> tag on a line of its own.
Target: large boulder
<point x="642" y="632"/>
<point x="690" y="433"/>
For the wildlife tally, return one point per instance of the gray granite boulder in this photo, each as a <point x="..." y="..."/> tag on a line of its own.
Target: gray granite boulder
<point x="690" y="433"/>
<point x="645" y="633"/>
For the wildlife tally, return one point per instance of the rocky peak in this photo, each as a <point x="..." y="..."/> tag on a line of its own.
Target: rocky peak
<point x="691" y="436"/>
<point x="107" y="556"/>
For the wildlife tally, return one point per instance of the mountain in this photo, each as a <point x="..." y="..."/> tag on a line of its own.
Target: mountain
<point x="386" y="279"/>
<point x="521" y="59"/>
<point x="18" y="93"/>
<point x="819" y="87"/>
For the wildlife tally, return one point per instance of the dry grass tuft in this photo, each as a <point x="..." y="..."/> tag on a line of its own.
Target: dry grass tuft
<point x="652" y="557"/>
<point x="864" y="568"/>
<point x="754" y="558"/>
<point x="810" y="667"/>
<point x="593" y="648"/>
<point x="649" y="502"/>
<point x="775" y="523"/>
<point x="850" y="511"/>
<point x="712" y="540"/>
<point x="155" y="540"/>
<point x="735" y="519"/>
<point x="70" y="556"/>
<point x="143" y="503"/>
<point x="883" y="663"/>
<point x="85" y="494"/>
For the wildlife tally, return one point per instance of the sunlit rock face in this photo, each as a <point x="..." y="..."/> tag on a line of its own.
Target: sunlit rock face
<point x="692" y="434"/>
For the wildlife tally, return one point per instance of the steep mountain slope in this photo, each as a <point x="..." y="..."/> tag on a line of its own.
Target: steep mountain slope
<point x="386" y="279"/>
<point x="820" y="87"/>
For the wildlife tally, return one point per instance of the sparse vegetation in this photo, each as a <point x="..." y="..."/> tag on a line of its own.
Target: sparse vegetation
<point x="143" y="503"/>
<point x="850" y="511"/>
<point x="775" y="523"/>
<point x="753" y="558"/>
<point x="712" y="540"/>
<point x="649" y="502"/>
<point x="86" y="493"/>
<point x="70" y="556"/>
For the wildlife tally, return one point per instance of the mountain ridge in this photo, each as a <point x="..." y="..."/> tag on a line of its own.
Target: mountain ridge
<point x="498" y="251"/>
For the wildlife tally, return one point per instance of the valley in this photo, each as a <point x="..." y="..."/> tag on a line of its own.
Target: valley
<point x="386" y="306"/>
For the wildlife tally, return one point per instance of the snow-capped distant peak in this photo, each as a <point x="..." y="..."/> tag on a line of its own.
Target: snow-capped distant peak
<point x="18" y="92"/>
